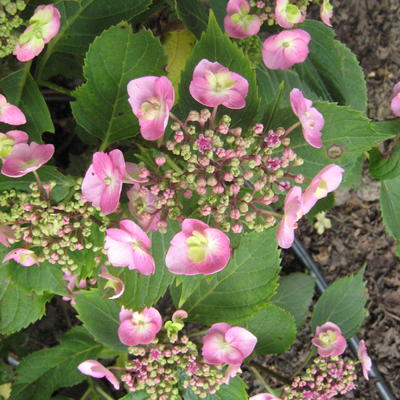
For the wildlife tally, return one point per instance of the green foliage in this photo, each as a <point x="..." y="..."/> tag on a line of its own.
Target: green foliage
<point x="383" y="168"/>
<point x="275" y="329"/>
<point x="240" y="289"/>
<point x="44" y="371"/>
<point x="21" y="90"/>
<point x="234" y="391"/>
<point x="342" y="303"/>
<point x="214" y="45"/>
<point x="82" y="21"/>
<point x="294" y="295"/>
<point x="193" y="15"/>
<point x="390" y="205"/>
<point x="100" y="317"/>
<point x="142" y="290"/>
<point x="114" y="58"/>
<point x="18" y="308"/>
<point x="141" y="395"/>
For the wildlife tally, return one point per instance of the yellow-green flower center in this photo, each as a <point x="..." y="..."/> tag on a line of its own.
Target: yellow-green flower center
<point x="197" y="247"/>
<point x="327" y="338"/>
<point x="151" y="109"/>
<point x="322" y="189"/>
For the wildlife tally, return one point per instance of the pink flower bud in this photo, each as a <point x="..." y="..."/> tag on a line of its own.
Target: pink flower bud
<point x="94" y="369"/>
<point x="258" y="129"/>
<point x="221" y="153"/>
<point x="179" y="136"/>
<point x="160" y="161"/>
<point x="223" y="129"/>
<point x="237" y="228"/>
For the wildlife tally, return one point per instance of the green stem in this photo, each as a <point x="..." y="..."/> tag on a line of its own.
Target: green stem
<point x="288" y="130"/>
<point x="267" y="212"/>
<point x="310" y="355"/>
<point x="261" y="379"/>
<point x="55" y="87"/>
<point x="103" y="393"/>
<point x="270" y="372"/>
<point x="172" y="164"/>
<point x="198" y="333"/>
<point x="86" y="394"/>
<point x="40" y="185"/>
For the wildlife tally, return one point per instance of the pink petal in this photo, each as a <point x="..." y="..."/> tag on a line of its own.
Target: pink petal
<point x="285" y="234"/>
<point x="92" y="187"/>
<point x="189" y="225"/>
<point x="395" y="105"/>
<point x="96" y="370"/>
<point x="136" y="232"/>
<point x="143" y="262"/>
<point x="177" y="260"/>
<point x="110" y="198"/>
<point x="114" y="282"/>
<point x="18" y="136"/>
<point x="234" y="6"/>
<point x="366" y="361"/>
<point x="125" y="314"/>
<point x="11" y="115"/>
<point x="264" y="396"/>
<point x="29" y="50"/>
<point x="241" y="339"/>
<point x="119" y="254"/>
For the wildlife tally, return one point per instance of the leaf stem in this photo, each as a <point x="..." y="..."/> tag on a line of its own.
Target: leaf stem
<point x="270" y="372"/>
<point x="288" y="130"/>
<point x="105" y="395"/>
<point x="310" y="355"/>
<point x="40" y="185"/>
<point x="261" y="379"/>
<point x="179" y="122"/>
<point x="55" y="87"/>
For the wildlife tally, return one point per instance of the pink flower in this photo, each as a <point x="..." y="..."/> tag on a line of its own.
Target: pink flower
<point x="139" y="327"/>
<point x="264" y="396"/>
<point x="129" y="246"/>
<point x="292" y="213"/>
<point x="9" y="139"/>
<point x="94" y="369"/>
<point x="6" y="234"/>
<point x="285" y="49"/>
<point x="326" y="12"/>
<point x="213" y="84"/>
<point x="179" y="315"/>
<point x="238" y="23"/>
<point x="113" y="282"/>
<point x="224" y="344"/>
<point x="327" y="180"/>
<point x="287" y="14"/>
<point x="231" y="372"/>
<point x="366" y="362"/>
<point x="395" y="104"/>
<point x="22" y="256"/>
<point x="310" y="118"/>
<point x="102" y="183"/>
<point x="151" y="99"/>
<point x="26" y="158"/>
<point x="10" y="114"/>
<point x="329" y="340"/>
<point x="43" y="26"/>
<point x="198" y="249"/>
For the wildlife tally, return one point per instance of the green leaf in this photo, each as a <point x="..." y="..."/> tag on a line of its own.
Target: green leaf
<point x="275" y="329"/>
<point x="385" y="168"/>
<point x="39" y="279"/>
<point x="21" y="90"/>
<point x="141" y="395"/>
<point x="214" y="45"/>
<point x="219" y="8"/>
<point x="240" y="289"/>
<point x="343" y="304"/>
<point x="46" y="173"/>
<point x="142" y="290"/>
<point x="346" y="135"/>
<point x="100" y="317"/>
<point x="236" y="390"/>
<point x="193" y="15"/>
<point x="295" y="293"/>
<point x="44" y="371"/>
<point x="18" y="308"/>
<point x="114" y="58"/>
<point x="390" y="205"/>
<point x="82" y="21"/>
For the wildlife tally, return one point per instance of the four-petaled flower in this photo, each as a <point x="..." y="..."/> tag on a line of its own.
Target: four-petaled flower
<point x="198" y="249"/>
<point x="329" y="340"/>
<point x="213" y="85"/>
<point x="94" y="369"/>
<point x="9" y="139"/>
<point x="138" y="327"/>
<point x="287" y="14"/>
<point x="10" y="114"/>
<point x="102" y="183"/>
<point x="129" y="246"/>
<point x="224" y="344"/>
<point x="151" y="99"/>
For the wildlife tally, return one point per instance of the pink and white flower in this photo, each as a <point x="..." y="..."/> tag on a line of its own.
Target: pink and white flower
<point x="310" y="118"/>
<point x="103" y="180"/>
<point x="327" y="180"/>
<point x="25" y="158"/>
<point x="198" y="249"/>
<point x="151" y="99"/>
<point x="213" y="85"/>
<point x="129" y="246"/>
<point x="285" y="49"/>
<point x="139" y="327"/>
<point x="94" y="369"/>
<point x="264" y="396"/>
<point x="24" y="257"/>
<point x="43" y="26"/>
<point x="366" y="361"/>
<point x="287" y="14"/>
<point x="6" y="235"/>
<point x="238" y="23"/>
<point x="395" y="103"/>
<point x="10" y="114"/>
<point x="113" y="282"/>
<point x="224" y="344"/>
<point x="329" y="340"/>
<point x="326" y="12"/>
<point x="9" y="139"/>
<point x="293" y="211"/>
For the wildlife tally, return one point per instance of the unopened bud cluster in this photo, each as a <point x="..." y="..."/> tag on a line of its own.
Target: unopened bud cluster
<point x="53" y="232"/>
<point x="230" y="173"/>
<point x="325" y="379"/>
<point x="9" y="22"/>
<point x="158" y="367"/>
